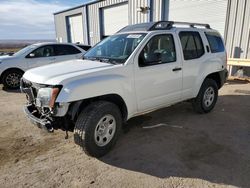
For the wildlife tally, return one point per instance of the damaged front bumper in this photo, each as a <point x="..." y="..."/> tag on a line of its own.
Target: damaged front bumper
<point x="33" y="115"/>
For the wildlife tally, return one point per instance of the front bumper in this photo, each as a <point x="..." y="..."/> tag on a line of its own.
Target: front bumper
<point x="41" y="123"/>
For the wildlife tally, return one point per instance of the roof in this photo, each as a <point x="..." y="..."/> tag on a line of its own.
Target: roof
<point x="161" y="25"/>
<point x="79" y="6"/>
<point x="53" y="43"/>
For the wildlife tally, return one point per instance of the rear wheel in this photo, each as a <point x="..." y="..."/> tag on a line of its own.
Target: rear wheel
<point x="11" y="79"/>
<point x="207" y="97"/>
<point x="97" y="128"/>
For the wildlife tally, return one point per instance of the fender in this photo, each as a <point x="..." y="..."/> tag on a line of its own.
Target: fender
<point x="99" y="85"/>
<point x="214" y="65"/>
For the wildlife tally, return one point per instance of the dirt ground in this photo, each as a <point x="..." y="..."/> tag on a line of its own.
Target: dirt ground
<point x="188" y="150"/>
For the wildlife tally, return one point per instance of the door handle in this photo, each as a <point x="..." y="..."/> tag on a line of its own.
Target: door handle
<point x="176" y="69"/>
<point x="53" y="58"/>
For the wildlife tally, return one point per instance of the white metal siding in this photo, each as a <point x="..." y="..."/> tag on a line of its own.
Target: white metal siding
<point x="238" y="29"/>
<point x="94" y="18"/>
<point x="75" y="28"/>
<point x="61" y="26"/>
<point x="114" y="18"/>
<point x="212" y="12"/>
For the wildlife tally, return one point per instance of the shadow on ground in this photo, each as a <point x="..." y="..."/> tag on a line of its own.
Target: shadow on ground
<point x="213" y="147"/>
<point x="10" y="90"/>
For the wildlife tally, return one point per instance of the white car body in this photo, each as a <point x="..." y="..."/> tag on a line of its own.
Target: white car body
<point x="21" y="60"/>
<point x="142" y="89"/>
<point x="142" y="68"/>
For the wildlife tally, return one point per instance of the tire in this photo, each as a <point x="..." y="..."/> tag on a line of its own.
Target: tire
<point x="207" y="97"/>
<point x="11" y="79"/>
<point x="91" y="124"/>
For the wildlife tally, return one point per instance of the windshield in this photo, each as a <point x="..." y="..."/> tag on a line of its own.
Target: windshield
<point x="115" y="49"/>
<point x="24" y="50"/>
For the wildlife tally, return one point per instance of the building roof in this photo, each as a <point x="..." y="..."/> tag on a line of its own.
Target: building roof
<point x="79" y="6"/>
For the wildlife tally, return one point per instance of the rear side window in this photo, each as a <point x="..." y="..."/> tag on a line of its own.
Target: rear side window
<point x="192" y="45"/>
<point x="215" y="42"/>
<point x="66" y="50"/>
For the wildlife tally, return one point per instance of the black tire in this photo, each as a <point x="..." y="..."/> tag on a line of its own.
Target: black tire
<point x="11" y="79"/>
<point x="203" y="104"/>
<point x="87" y="125"/>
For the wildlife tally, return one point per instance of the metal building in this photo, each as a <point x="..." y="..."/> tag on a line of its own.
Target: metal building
<point x="91" y="22"/>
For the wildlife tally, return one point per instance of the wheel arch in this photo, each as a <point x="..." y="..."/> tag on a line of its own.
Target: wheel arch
<point x="76" y="107"/>
<point x="216" y="77"/>
<point x="10" y="69"/>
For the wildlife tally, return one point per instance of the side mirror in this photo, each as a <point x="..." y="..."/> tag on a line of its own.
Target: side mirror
<point x="31" y="55"/>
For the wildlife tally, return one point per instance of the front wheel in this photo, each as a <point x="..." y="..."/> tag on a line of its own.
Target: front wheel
<point x="11" y="79"/>
<point x="207" y="97"/>
<point x="97" y="128"/>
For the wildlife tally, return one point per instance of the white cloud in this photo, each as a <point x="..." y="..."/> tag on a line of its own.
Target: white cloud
<point x="29" y="14"/>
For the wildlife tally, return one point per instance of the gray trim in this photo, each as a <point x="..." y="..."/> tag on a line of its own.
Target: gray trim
<point x="151" y="8"/>
<point x="165" y="10"/>
<point x="85" y="4"/>
<point x="101" y="23"/>
<point x="86" y="23"/>
<point x="227" y="20"/>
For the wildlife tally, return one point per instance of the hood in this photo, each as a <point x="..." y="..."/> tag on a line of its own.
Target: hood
<point x="5" y="57"/>
<point x="56" y="73"/>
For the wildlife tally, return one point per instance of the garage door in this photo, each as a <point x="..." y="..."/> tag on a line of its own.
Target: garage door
<point x="75" y="29"/>
<point x="212" y="12"/>
<point x="114" y="18"/>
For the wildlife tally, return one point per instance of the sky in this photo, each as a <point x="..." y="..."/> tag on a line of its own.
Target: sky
<point x="31" y="19"/>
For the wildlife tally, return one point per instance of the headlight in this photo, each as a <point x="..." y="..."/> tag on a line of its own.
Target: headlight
<point x="46" y="97"/>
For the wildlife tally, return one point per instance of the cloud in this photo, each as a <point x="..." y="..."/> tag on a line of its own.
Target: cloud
<point x="27" y="18"/>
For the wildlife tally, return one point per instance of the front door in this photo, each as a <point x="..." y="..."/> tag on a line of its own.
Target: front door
<point x="158" y="73"/>
<point x="41" y="56"/>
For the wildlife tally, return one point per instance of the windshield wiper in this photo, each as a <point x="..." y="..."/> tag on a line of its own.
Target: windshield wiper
<point x="102" y="59"/>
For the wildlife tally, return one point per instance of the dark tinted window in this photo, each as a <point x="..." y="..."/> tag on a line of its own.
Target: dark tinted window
<point x="215" y="42"/>
<point x="192" y="45"/>
<point x="66" y="50"/>
<point x="44" y="51"/>
<point x="160" y="49"/>
<point x="84" y="47"/>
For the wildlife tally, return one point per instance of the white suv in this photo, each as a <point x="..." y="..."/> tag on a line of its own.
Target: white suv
<point x="141" y="68"/>
<point x="35" y="55"/>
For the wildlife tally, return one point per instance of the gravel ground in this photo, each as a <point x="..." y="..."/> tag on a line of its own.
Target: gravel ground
<point x="186" y="150"/>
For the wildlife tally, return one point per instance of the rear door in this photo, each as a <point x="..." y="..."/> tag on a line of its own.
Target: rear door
<point x="66" y="52"/>
<point x="193" y="52"/>
<point x="43" y="55"/>
<point x="158" y="73"/>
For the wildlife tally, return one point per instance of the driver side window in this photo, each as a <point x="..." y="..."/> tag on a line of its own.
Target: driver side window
<point x="44" y="51"/>
<point x="160" y="49"/>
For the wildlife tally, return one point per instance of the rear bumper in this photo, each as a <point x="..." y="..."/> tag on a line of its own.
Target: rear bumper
<point x="30" y="112"/>
<point x="223" y="76"/>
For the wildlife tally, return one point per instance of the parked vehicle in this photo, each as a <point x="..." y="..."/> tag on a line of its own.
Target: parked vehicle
<point x="84" y="47"/>
<point x="141" y="68"/>
<point x="12" y="67"/>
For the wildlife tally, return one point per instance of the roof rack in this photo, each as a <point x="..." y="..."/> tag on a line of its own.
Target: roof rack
<point x="160" y="25"/>
<point x="163" y="25"/>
